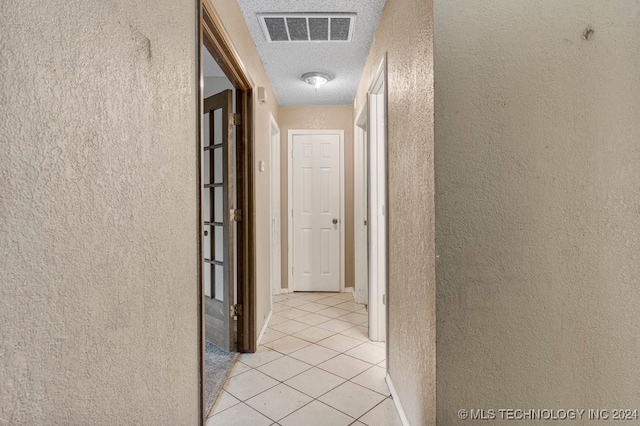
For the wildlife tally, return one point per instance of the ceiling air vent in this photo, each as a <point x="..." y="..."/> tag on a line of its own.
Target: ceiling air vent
<point x="336" y="27"/>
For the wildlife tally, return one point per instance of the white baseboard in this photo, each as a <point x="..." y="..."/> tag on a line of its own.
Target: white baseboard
<point x="264" y="328"/>
<point x="396" y="401"/>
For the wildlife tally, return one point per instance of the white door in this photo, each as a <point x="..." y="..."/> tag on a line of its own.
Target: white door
<point x="316" y="207"/>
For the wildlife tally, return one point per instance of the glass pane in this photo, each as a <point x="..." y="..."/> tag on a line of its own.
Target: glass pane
<point x="206" y="241"/>
<point x="206" y="269"/>
<point x="219" y="243"/>
<point x="205" y="130"/>
<point x="217" y="205"/>
<point x="206" y="205"/>
<point x="219" y="287"/>
<point x="217" y="165"/>
<point x="217" y="127"/>
<point x="206" y="167"/>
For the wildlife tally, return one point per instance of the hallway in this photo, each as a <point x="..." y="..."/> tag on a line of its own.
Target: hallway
<point x="315" y="366"/>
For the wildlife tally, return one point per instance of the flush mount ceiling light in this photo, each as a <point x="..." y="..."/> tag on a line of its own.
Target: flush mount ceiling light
<point x="315" y="79"/>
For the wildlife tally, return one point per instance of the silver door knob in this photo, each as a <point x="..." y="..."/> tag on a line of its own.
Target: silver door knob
<point x="335" y="221"/>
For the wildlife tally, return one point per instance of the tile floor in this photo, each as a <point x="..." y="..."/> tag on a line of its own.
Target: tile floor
<point x="315" y="366"/>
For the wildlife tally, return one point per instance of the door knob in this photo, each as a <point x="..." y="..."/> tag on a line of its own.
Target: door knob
<point x="335" y="221"/>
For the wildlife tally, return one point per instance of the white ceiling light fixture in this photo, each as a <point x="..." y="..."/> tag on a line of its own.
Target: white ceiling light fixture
<point x="316" y="79"/>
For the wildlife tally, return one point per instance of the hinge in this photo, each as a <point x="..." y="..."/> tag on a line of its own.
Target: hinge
<point x="235" y="310"/>
<point x="384" y="299"/>
<point x="236" y="119"/>
<point x="235" y="215"/>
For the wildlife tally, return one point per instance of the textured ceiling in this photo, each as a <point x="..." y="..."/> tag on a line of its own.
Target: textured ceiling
<point x="285" y="62"/>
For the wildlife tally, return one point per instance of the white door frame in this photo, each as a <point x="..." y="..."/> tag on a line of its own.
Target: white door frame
<point x="341" y="219"/>
<point x="274" y="211"/>
<point x="378" y="221"/>
<point x="361" y="285"/>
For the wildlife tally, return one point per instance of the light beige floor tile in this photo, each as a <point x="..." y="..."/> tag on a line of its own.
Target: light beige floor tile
<point x="239" y="415"/>
<point x="312" y="307"/>
<point x="312" y="297"/>
<point x="330" y="301"/>
<point x="349" y="306"/>
<point x="270" y="335"/>
<point x="383" y="364"/>
<point x="313" y="319"/>
<point x="248" y="384"/>
<point x="346" y="296"/>
<point x="313" y="334"/>
<point x="374" y="379"/>
<point x="359" y="332"/>
<point x="340" y="343"/>
<point x="289" y="327"/>
<point x="239" y="368"/>
<point x="261" y="356"/>
<point x="354" y="318"/>
<point x="316" y="414"/>
<point x="352" y="399"/>
<point x="293" y="313"/>
<point x="278" y="307"/>
<point x="357" y="423"/>
<point x="293" y="302"/>
<point x="314" y="354"/>
<point x="288" y="344"/>
<point x="315" y="382"/>
<point x="284" y="368"/>
<point x="368" y="352"/>
<point x="335" y="325"/>
<point x="344" y="366"/>
<point x="279" y="401"/>
<point x="280" y="297"/>
<point x="225" y="400"/>
<point x="332" y="312"/>
<point x="277" y="319"/>
<point x="384" y="414"/>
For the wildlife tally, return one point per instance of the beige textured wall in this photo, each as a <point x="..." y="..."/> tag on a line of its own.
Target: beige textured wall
<point x="235" y="25"/>
<point x="406" y="33"/>
<point x="335" y="117"/>
<point x="98" y="301"/>
<point x="538" y="205"/>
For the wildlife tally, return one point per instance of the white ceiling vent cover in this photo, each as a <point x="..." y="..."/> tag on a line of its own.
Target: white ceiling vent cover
<point x="334" y="27"/>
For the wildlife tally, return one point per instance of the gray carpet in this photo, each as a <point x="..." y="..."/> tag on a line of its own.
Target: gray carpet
<point x="216" y="364"/>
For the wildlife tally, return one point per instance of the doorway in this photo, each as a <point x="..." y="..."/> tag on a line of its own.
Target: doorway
<point x="225" y="196"/>
<point x="361" y="211"/>
<point x="377" y="205"/>
<point x="316" y="200"/>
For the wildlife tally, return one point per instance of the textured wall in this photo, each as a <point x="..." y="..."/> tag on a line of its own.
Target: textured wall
<point x="336" y="117"/>
<point x="406" y="34"/>
<point x="235" y="25"/>
<point x="538" y="204"/>
<point x="98" y="302"/>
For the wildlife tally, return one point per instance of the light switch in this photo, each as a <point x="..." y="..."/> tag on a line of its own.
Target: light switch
<point x="261" y="166"/>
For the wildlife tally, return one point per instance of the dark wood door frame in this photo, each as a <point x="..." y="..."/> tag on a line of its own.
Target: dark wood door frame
<point x="212" y="35"/>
